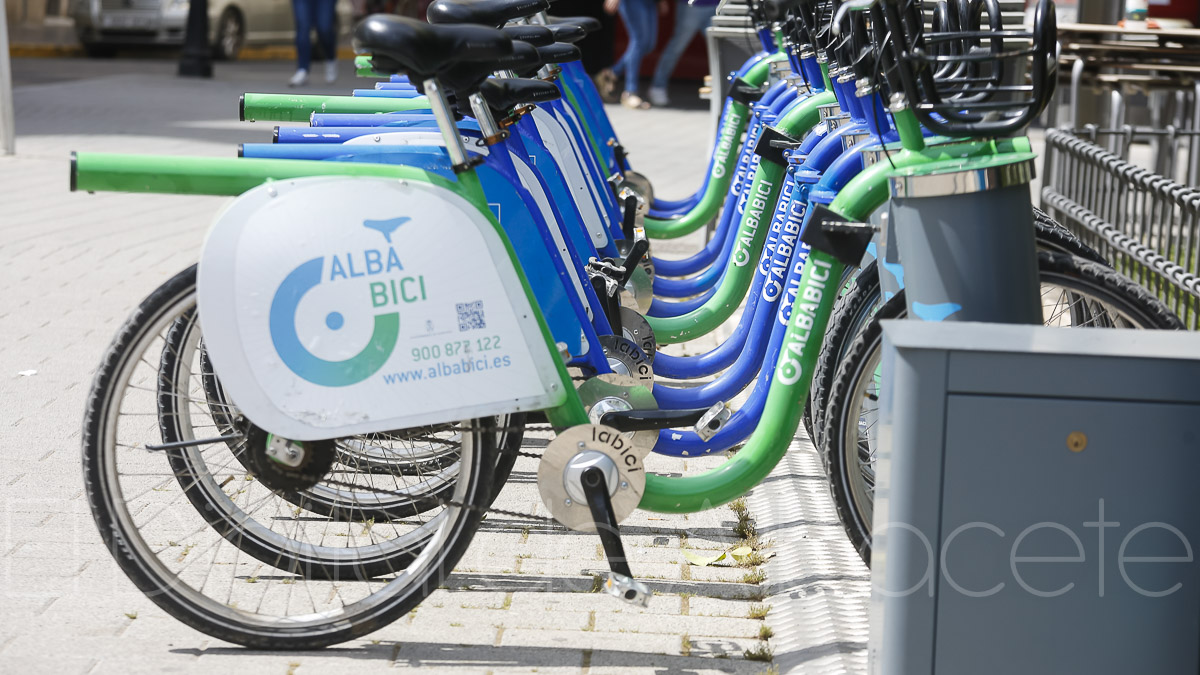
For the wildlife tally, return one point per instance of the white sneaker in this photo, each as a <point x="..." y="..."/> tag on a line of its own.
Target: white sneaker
<point x="299" y="79"/>
<point x="658" y="96"/>
<point x="331" y="71"/>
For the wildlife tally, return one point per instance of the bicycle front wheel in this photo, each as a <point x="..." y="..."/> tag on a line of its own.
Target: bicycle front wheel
<point x="230" y="569"/>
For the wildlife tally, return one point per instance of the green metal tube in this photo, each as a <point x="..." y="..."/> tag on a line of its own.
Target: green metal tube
<point x="225" y="176"/>
<point x="363" y="68"/>
<point x="297" y="108"/>
<point x="811" y="310"/>
<point x="751" y="235"/>
<point x="870" y="189"/>
<point x="721" y="173"/>
<point x="909" y="130"/>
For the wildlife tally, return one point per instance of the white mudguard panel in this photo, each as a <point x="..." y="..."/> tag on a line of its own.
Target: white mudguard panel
<point x="334" y="306"/>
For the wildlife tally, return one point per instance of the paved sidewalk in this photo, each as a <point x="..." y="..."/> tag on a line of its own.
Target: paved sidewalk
<point x="521" y="600"/>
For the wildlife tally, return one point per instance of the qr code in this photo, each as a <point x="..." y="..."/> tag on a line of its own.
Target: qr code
<point x="470" y="315"/>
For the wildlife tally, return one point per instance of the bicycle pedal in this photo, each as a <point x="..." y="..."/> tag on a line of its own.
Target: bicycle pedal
<point x="606" y="267"/>
<point x="712" y="421"/>
<point x="628" y="589"/>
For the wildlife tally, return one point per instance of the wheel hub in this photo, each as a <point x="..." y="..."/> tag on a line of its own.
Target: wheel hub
<point x="573" y="473"/>
<point x="287" y="465"/>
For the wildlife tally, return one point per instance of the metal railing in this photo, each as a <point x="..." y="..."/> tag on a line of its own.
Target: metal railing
<point x="1148" y="226"/>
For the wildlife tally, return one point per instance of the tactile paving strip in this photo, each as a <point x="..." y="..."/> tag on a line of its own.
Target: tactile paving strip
<point x="818" y="588"/>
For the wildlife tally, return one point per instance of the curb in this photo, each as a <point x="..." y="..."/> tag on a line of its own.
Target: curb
<point x="36" y="51"/>
<point x="264" y="53"/>
<point x="818" y="588"/>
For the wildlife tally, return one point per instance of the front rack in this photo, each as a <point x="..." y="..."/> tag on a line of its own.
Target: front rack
<point x="967" y="75"/>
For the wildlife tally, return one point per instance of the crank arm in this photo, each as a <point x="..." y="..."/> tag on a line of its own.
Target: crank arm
<point x="620" y="579"/>
<point x="705" y="421"/>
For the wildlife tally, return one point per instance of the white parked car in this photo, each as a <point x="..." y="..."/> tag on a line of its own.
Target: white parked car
<point x="103" y="25"/>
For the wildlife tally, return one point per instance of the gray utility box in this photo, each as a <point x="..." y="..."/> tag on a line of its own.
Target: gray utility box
<point x="1037" y="501"/>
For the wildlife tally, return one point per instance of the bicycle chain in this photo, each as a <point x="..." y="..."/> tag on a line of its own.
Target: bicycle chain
<point x="441" y="501"/>
<point x="470" y="507"/>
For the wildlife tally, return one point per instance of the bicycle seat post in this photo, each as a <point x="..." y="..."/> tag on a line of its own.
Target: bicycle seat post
<point x="445" y="121"/>
<point x="492" y="133"/>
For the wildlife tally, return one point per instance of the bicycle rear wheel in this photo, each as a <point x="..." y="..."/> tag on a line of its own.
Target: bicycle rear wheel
<point x="1075" y="293"/>
<point x="239" y="570"/>
<point x="855" y="308"/>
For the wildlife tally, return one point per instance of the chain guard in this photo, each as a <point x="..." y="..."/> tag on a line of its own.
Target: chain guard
<point x="611" y="392"/>
<point x="573" y="443"/>
<point x="635" y="328"/>
<point x="626" y="358"/>
<point x="638" y="292"/>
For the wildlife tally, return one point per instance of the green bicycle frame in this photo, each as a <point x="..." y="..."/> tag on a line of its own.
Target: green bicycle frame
<point x="233" y="176"/>
<point x="299" y="108"/>
<point x="721" y="173"/>
<point x="762" y="194"/>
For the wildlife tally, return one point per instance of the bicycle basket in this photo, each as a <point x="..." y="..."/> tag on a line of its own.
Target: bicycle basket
<point x="968" y="75"/>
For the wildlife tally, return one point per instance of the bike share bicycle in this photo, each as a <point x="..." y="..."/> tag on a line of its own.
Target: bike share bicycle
<point x="306" y="592"/>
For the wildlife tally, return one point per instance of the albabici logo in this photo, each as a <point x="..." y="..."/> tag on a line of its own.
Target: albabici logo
<point x="389" y="292"/>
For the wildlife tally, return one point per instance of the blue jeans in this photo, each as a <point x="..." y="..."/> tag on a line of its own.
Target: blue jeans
<point x="309" y="13"/>
<point x="641" y="23"/>
<point x="689" y="20"/>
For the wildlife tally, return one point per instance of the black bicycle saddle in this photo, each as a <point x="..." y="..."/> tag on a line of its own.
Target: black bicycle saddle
<point x="505" y="94"/>
<point x="494" y="13"/>
<point x="402" y="44"/>
<point x="559" y="52"/>
<point x="567" y="32"/>
<point x="464" y="78"/>
<point x="587" y="23"/>
<point x="538" y="36"/>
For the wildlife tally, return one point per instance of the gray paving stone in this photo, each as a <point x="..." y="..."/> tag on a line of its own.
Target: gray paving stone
<point x="615" y="662"/>
<point x="699" y="606"/>
<point x="678" y="625"/>
<point x="617" y="641"/>
<point x="599" y="603"/>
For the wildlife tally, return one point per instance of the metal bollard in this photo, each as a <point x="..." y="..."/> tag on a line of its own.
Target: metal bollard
<point x="8" y="135"/>
<point x="966" y="241"/>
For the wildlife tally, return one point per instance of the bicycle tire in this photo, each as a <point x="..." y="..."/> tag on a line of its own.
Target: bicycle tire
<point x="1076" y="276"/>
<point x="246" y="624"/>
